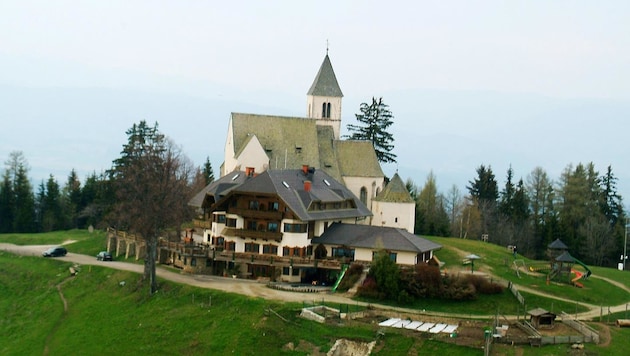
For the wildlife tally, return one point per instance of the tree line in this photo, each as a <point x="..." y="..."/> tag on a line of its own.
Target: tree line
<point x="582" y="208"/>
<point x="71" y="204"/>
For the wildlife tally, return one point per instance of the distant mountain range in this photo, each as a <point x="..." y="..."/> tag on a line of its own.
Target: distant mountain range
<point x="448" y="132"/>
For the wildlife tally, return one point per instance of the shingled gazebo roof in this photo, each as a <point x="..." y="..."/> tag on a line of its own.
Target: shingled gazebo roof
<point x="557" y="245"/>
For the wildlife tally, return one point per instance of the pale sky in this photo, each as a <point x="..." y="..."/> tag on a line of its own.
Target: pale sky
<point x="499" y="83"/>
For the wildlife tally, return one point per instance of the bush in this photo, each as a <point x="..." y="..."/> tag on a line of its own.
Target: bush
<point x="458" y="288"/>
<point x="351" y="277"/>
<point x="423" y="281"/>
<point x="369" y="289"/>
<point x="483" y="285"/>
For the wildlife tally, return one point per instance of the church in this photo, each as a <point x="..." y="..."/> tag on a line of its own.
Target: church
<point x="295" y="202"/>
<point x="262" y="142"/>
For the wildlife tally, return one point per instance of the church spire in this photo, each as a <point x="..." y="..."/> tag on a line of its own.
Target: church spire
<point x="323" y="99"/>
<point x="325" y="83"/>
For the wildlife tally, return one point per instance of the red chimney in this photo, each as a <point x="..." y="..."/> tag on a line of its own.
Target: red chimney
<point x="249" y="171"/>
<point x="305" y="168"/>
<point x="307" y="185"/>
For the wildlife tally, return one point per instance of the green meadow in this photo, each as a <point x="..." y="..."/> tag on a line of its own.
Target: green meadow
<point x="109" y="312"/>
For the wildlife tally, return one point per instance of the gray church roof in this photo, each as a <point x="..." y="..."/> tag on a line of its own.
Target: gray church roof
<point x="217" y="189"/>
<point x="395" y="192"/>
<point x="325" y="83"/>
<point x="358" y="159"/>
<point x="289" y="186"/>
<point x="291" y="142"/>
<point x="375" y="238"/>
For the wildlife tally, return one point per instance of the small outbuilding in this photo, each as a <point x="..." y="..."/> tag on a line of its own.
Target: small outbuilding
<point x="541" y="318"/>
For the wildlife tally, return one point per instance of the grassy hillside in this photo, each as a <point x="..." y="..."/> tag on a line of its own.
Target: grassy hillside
<point x="498" y="261"/>
<point x="106" y="316"/>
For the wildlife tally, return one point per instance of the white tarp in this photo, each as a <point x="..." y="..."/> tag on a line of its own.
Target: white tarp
<point x="389" y="322"/>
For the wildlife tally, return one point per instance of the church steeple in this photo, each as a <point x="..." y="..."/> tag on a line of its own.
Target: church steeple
<point x="324" y="98"/>
<point x="325" y="83"/>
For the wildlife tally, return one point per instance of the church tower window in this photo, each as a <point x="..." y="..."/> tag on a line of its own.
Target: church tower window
<point x="326" y="110"/>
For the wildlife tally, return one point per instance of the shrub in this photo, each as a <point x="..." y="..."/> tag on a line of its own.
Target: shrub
<point x="351" y="277"/>
<point x="369" y="289"/>
<point x="483" y="285"/>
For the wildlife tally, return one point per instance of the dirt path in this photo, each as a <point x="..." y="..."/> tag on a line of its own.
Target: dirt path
<point x="50" y="335"/>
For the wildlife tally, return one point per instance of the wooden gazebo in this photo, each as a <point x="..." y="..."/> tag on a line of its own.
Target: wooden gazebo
<point x="541" y="318"/>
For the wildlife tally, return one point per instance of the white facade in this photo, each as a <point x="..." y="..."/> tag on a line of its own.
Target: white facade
<point x="399" y="215"/>
<point x="366" y="255"/>
<point x="372" y="186"/>
<point x="317" y="108"/>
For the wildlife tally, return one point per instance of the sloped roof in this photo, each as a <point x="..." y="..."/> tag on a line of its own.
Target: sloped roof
<point x="557" y="245"/>
<point x="565" y="257"/>
<point x="325" y="83"/>
<point x="327" y="151"/>
<point x="358" y="159"/>
<point x="289" y="142"/>
<point x="539" y="312"/>
<point x="217" y="189"/>
<point x="395" y="192"/>
<point x="375" y="238"/>
<point x="288" y="185"/>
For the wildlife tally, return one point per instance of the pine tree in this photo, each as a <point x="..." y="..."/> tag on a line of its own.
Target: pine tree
<point x="375" y="119"/>
<point x="484" y="193"/>
<point x="23" y="209"/>
<point x="72" y="198"/>
<point x="208" y="173"/>
<point x="7" y="203"/>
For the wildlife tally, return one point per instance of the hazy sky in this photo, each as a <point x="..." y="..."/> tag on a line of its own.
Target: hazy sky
<point x="500" y="83"/>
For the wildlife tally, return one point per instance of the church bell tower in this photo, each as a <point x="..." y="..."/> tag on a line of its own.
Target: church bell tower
<point x="324" y="98"/>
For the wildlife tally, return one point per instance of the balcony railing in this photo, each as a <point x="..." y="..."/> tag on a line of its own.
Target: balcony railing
<point x="184" y="249"/>
<point x="268" y="259"/>
<point x="259" y="214"/>
<point x="204" y="224"/>
<point x="253" y="234"/>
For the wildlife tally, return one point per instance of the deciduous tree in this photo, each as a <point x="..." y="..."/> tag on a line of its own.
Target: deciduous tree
<point x="151" y="181"/>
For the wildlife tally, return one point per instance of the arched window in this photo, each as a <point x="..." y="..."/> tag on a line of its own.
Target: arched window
<point x="363" y="196"/>
<point x="325" y="110"/>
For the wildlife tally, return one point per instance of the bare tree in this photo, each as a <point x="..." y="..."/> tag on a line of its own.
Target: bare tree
<point x="454" y="202"/>
<point x="152" y="181"/>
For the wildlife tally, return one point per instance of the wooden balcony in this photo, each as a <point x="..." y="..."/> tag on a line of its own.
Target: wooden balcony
<point x="184" y="249"/>
<point x="268" y="259"/>
<point x="258" y="214"/>
<point x="203" y="224"/>
<point x="253" y="234"/>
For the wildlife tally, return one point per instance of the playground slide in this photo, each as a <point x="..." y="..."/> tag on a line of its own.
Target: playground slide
<point x="578" y="275"/>
<point x="344" y="268"/>
<point x="588" y="271"/>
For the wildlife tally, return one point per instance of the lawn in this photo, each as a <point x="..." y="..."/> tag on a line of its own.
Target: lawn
<point x="500" y="263"/>
<point x="109" y="312"/>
